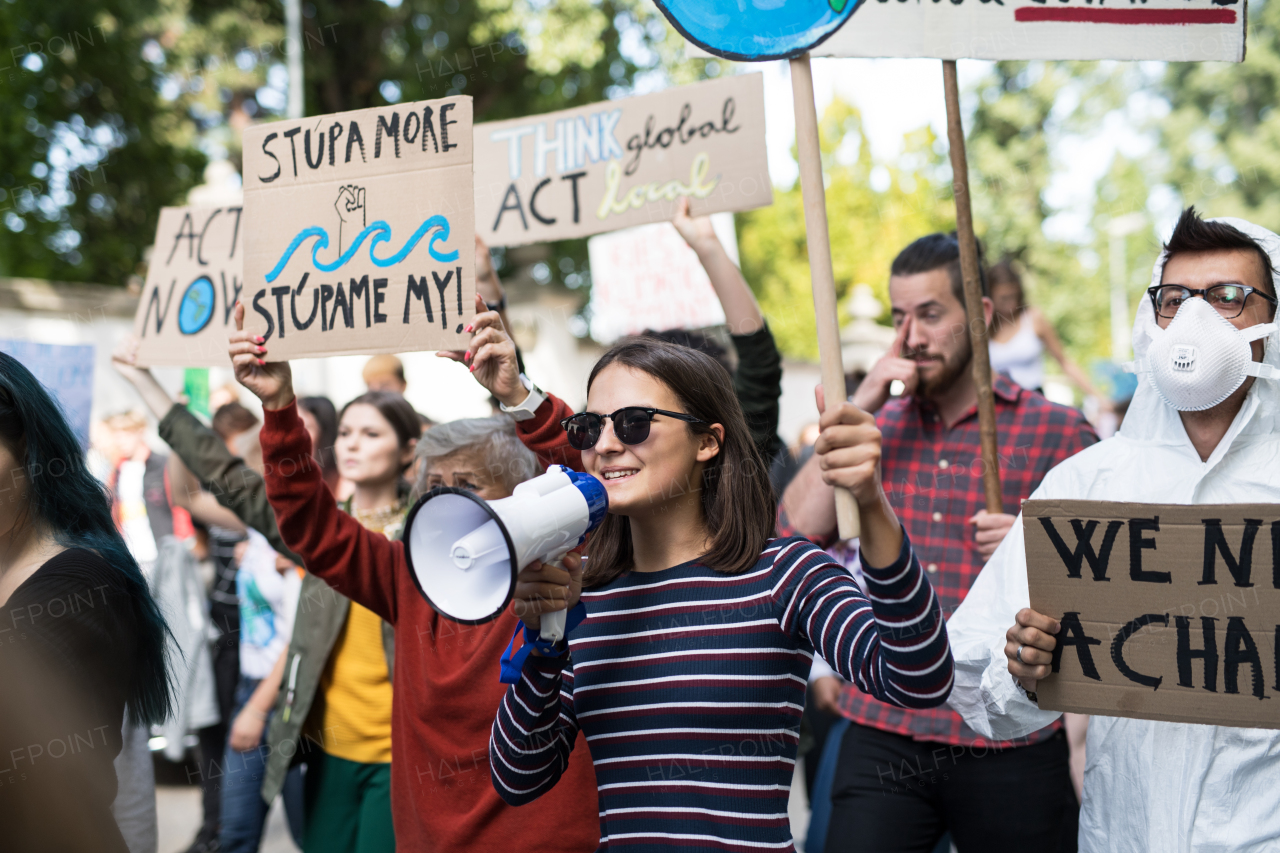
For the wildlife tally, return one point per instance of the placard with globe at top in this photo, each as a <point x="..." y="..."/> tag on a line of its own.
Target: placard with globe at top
<point x="757" y="30"/>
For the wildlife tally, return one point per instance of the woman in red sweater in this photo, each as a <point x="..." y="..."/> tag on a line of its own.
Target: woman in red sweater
<point x="446" y="674"/>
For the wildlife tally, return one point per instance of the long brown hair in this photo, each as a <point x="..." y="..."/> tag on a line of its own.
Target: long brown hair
<point x="737" y="501"/>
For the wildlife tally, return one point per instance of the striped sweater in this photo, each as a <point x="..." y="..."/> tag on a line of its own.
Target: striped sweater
<point x="689" y="685"/>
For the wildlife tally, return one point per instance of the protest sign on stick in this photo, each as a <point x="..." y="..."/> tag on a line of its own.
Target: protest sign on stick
<point x="193" y="281"/>
<point x="1168" y="612"/>
<point x="762" y="32"/>
<point x="622" y="163"/>
<point x="359" y="230"/>
<point x="1170" y="30"/>
<point x="1167" y="30"/>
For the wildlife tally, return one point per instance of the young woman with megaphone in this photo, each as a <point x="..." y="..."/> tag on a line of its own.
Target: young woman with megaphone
<point x="695" y="629"/>
<point x="445" y="682"/>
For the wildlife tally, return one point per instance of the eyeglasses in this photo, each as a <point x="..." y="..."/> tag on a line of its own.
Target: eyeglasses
<point x="630" y="425"/>
<point x="1227" y="299"/>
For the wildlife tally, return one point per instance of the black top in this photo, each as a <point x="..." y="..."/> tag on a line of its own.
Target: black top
<point x="68" y="644"/>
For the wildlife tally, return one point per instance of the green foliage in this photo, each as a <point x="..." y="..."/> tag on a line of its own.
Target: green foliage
<point x="1017" y="127"/>
<point x="87" y="145"/>
<point x="1222" y="135"/>
<point x="143" y="92"/>
<point x="868" y="227"/>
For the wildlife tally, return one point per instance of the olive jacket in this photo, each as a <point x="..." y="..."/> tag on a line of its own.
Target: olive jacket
<point x="321" y="613"/>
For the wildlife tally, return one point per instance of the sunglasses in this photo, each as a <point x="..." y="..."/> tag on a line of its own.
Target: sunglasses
<point x="630" y="425"/>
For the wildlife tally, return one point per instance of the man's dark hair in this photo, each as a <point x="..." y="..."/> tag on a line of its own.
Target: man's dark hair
<point x="1193" y="234"/>
<point x="937" y="251"/>
<point x="232" y="419"/>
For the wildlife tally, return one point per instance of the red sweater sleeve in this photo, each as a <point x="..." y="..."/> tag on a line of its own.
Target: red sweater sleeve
<point x="544" y="436"/>
<point x="356" y="562"/>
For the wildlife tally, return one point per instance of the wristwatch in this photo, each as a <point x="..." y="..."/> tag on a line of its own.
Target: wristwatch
<point x="529" y="407"/>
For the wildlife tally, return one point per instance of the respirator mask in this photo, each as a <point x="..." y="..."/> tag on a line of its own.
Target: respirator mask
<point x="1200" y="359"/>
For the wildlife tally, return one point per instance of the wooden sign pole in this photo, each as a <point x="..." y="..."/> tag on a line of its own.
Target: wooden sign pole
<point x="821" y="272"/>
<point x="972" y="292"/>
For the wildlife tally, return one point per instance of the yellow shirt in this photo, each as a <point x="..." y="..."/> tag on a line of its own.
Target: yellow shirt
<point x="357" y="693"/>
<point x="356" y="723"/>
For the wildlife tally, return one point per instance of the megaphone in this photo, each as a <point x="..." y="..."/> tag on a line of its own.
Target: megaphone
<point x="464" y="552"/>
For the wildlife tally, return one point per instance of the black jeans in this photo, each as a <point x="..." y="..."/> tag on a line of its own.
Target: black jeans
<point x="892" y="793"/>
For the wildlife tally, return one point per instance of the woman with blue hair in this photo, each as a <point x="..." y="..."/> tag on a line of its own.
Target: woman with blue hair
<point x="82" y="642"/>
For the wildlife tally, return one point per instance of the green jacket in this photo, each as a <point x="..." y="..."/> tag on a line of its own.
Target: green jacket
<point x="321" y="614"/>
<point x="321" y="611"/>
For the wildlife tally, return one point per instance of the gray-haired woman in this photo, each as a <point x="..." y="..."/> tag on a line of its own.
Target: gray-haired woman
<point x="481" y="455"/>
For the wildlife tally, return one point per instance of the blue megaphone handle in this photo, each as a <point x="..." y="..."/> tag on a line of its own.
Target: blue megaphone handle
<point x="512" y="662"/>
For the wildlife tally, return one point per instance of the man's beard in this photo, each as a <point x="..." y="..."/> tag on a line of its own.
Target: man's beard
<point x="951" y="368"/>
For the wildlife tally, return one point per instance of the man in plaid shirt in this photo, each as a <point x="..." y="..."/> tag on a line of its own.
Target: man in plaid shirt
<point x="906" y="777"/>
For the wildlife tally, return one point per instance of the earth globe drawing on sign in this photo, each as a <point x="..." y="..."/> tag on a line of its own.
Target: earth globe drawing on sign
<point x="757" y="30"/>
<point x="196" y="308"/>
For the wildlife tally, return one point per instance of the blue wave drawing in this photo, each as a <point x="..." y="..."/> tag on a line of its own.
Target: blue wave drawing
<point x="381" y="233"/>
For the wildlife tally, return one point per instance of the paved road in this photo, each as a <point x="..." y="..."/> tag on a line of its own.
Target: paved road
<point x="178" y="815"/>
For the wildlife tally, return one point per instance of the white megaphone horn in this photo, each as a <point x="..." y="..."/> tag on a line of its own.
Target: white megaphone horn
<point x="464" y="553"/>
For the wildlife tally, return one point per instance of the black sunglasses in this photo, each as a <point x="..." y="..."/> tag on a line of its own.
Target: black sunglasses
<point x="630" y="425"/>
<point x="1227" y="299"/>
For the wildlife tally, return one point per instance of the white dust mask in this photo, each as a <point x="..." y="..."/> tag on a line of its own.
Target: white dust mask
<point x="1201" y="358"/>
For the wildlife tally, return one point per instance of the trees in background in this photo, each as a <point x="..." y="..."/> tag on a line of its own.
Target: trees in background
<point x="873" y="210"/>
<point x="113" y="109"/>
<point x="1221" y="138"/>
<point x="89" y="148"/>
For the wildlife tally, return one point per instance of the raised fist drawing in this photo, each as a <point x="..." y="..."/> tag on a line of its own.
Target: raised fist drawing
<point x="351" y="212"/>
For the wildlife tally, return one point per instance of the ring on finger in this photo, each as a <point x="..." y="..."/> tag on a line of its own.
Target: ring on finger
<point x="1018" y="654"/>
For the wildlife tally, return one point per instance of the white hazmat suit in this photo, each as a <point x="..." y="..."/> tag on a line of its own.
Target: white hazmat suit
<point x="1148" y="786"/>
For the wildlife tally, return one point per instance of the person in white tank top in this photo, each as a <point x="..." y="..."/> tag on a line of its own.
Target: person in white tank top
<point x="1020" y="334"/>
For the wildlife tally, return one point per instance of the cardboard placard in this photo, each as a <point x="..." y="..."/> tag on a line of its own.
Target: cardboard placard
<point x="359" y="230"/>
<point x="1171" y="30"/>
<point x="1168" y="612"/>
<point x="649" y="278"/>
<point x="193" y="281"/>
<point x="617" y="164"/>
<point x="67" y="371"/>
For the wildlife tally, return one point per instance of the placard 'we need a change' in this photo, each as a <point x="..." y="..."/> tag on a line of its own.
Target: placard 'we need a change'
<point x="1168" y="612"/>
<point x="359" y="230"/>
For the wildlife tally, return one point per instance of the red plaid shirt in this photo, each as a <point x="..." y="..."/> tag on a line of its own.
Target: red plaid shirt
<point x="933" y="477"/>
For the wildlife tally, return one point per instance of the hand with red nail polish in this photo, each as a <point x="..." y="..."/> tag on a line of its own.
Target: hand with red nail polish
<point x="491" y="356"/>
<point x="272" y="382"/>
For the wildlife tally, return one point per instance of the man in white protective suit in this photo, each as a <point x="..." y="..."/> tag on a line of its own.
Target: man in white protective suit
<point x="1203" y="428"/>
